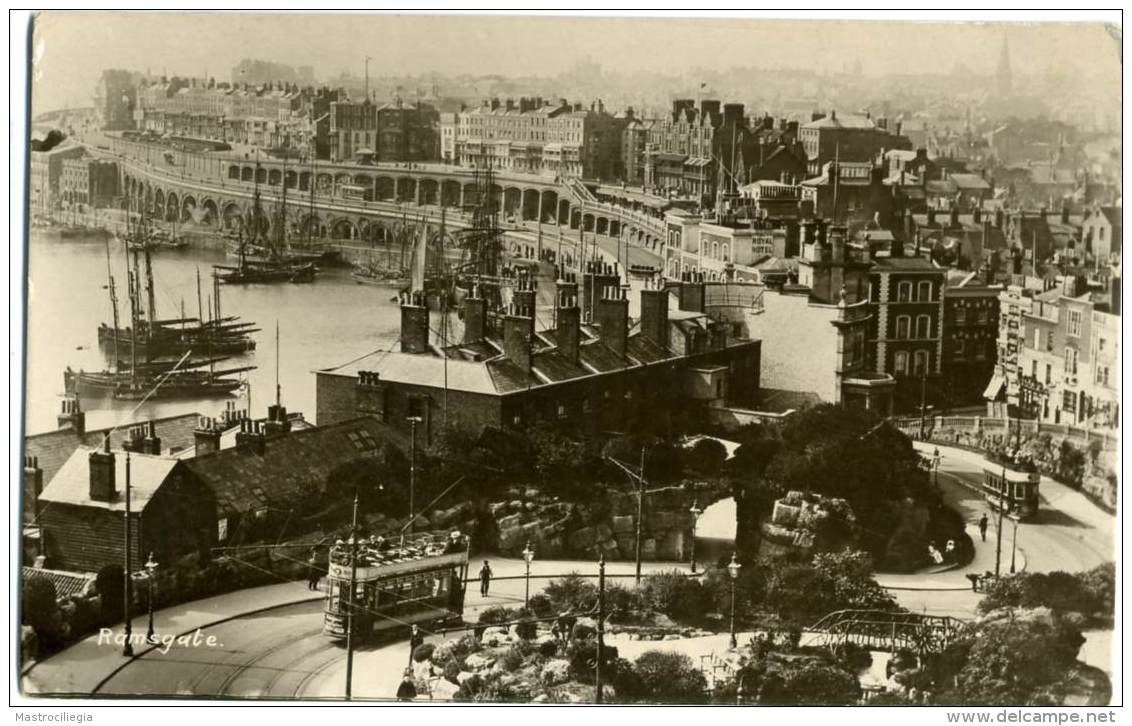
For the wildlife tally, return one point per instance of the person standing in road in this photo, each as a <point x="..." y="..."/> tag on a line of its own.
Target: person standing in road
<point x="485" y="578"/>
<point x="416" y="640"/>
<point x="407" y="691"/>
<point x="313" y="573"/>
<point x="983" y="524"/>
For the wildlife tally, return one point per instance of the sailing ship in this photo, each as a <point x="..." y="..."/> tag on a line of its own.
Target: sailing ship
<point x="216" y="334"/>
<point x="149" y="378"/>
<point x="275" y="266"/>
<point x="142" y="236"/>
<point x="391" y="272"/>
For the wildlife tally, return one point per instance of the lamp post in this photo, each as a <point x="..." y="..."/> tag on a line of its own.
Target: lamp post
<point x="528" y="555"/>
<point x="1013" y="542"/>
<point x="936" y="458"/>
<point x="600" y="628"/>
<point x="695" y="511"/>
<point x="733" y="570"/>
<point x="151" y="569"/>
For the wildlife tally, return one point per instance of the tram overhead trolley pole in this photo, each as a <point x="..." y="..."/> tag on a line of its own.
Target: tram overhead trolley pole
<point x="350" y="601"/>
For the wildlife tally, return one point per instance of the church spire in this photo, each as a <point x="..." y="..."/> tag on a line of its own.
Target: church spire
<point x="1003" y="80"/>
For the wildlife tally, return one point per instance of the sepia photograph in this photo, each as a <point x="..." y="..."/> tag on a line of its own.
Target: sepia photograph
<point x="429" y="358"/>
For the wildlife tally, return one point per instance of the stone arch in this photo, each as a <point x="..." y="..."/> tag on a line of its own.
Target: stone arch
<point x="531" y="201"/>
<point x="588" y="222"/>
<point x="614" y="228"/>
<point x="429" y="191"/>
<point x="563" y="211"/>
<point x="674" y="269"/>
<point x="601" y="225"/>
<point x="406" y="189"/>
<point x="343" y="229"/>
<point x="384" y="188"/>
<point x="158" y="199"/>
<point x="261" y="174"/>
<point x="495" y="196"/>
<point x="290" y="179"/>
<point x="324" y="184"/>
<point x="450" y="193"/>
<point x="363" y="180"/>
<point x="233" y="171"/>
<point x="309" y="224"/>
<point x="232" y="216"/>
<point x="471" y="195"/>
<point x="247" y="174"/>
<point x="549" y="202"/>
<point x="373" y="232"/>
<point x="188" y="208"/>
<point x="341" y="179"/>
<point x="512" y="201"/>
<point x="172" y="208"/>
<point x="304" y="181"/>
<point x="575" y="219"/>
<point x="208" y="212"/>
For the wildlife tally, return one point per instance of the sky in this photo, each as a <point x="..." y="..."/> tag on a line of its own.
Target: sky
<point x="70" y="49"/>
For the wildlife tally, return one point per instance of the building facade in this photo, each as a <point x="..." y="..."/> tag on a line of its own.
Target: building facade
<point x="847" y="138"/>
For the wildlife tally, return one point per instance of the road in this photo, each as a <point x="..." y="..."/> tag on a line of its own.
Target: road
<point x="281" y="653"/>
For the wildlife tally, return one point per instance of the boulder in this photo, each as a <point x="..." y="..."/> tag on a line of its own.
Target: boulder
<point x="624" y="524"/>
<point x="422" y="523"/>
<point x="530" y="506"/>
<point x="463" y="676"/>
<point x="478" y="661"/>
<point x="648" y="548"/>
<point x="516" y="505"/>
<point x="530" y="493"/>
<point x="609" y="548"/>
<point x="603" y="532"/>
<point x="511" y="521"/>
<point x="582" y="539"/>
<point x="540" y="698"/>
<point x="497" y="509"/>
<point x="555" y="672"/>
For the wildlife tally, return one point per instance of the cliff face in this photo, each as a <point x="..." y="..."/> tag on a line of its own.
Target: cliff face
<point x="607" y="526"/>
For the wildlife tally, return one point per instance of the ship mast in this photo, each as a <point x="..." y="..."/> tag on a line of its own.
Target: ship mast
<point x="113" y="302"/>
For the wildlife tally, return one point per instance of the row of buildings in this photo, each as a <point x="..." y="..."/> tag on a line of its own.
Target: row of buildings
<point x="68" y="178"/>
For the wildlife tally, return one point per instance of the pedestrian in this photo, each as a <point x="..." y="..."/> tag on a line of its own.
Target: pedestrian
<point x="983" y="524"/>
<point x="485" y="578"/>
<point x="407" y="691"/>
<point x="949" y="549"/>
<point x="565" y="624"/>
<point x="313" y="574"/>
<point x="416" y="640"/>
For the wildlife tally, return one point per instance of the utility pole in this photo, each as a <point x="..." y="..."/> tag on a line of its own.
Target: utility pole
<point x="368" y="59"/>
<point x="350" y="601"/>
<point x="600" y="627"/>
<point x="413" y="421"/>
<point x="128" y="648"/>
<point x="640" y="495"/>
<point x="1001" y="515"/>
<point x="923" y="403"/>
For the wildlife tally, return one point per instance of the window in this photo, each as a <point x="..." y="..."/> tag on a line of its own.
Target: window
<point x="920" y="362"/>
<point x="960" y="348"/>
<point x="561" y="410"/>
<point x="1102" y="375"/>
<point x="923" y="326"/>
<point x="1049" y="341"/>
<point x="1071" y="361"/>
<point x="1075" y="323"/>
<point x="1100" y="344"/>
<point x="981" y="350"/>
<point x="904" y="292"/>
<point x="903" y="323"/>
<point x="981" y="317"/>
<point x="222" y="529"/>
<point x="1049" y="373"/>
<point x="1034" y="369"/>
<point x="924" y="291"/>
<point x="1069" y="401"/>
<point x="901" y="363"/>
<point x="961" y="316"/>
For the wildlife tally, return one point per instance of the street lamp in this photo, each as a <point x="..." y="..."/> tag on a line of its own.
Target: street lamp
<point x="1013" y="540"/>
<point x="151" y="570"/>
<point x="413" y="421"/>
<point x="936" y="458"/>
<point x="733" y="570"/>
<point x="695" y="512"/>
<point x="528" y="555"/>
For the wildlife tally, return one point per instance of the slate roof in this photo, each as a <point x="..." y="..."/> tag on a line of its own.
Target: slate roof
<point x="290" y="467"/>
<point x="905" y="264"/>
<point x="71" y="485"/>
<point x="55" y="447"/>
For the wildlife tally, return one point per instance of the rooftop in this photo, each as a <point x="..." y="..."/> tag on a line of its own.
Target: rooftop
<point x="71" y="485"/>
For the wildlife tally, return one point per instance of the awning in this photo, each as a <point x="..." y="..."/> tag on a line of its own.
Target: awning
<point x="994" y="387"/>
<point x="698" y="161"/>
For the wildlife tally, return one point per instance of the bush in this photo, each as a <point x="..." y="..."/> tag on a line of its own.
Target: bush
<point x="540" y="606"/>
<point x="495" y="615"/>
<point x="512" y="660"/>
<point x="583" y="631"/>
<point x="572" y="593"/>
<point x="548" y="648"/>
<point x="526" y="629"/>
<point x="423" y="652"/>
<point x="582" y="655"/>
<point x="677" y="596"/>
<point x="706" y="457"/>
<point x="486" y="689"/>
<point x="665" y="677"/>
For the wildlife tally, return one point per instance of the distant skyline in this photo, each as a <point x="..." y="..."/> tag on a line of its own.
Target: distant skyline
<point x="70" y="49"/>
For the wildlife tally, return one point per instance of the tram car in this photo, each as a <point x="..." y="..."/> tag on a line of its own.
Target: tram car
<point x="396" y="584"/>
<point x="1017" y="491"/>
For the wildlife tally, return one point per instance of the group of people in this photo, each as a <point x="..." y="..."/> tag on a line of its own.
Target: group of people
<point x="375" y="549"/>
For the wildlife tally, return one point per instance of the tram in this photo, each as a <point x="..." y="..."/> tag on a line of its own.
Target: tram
<point x="420" y="580"/>
<point x="1016" y="490"/>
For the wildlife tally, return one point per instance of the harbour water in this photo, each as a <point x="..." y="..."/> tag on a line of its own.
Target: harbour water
<point x="322" y="324"/>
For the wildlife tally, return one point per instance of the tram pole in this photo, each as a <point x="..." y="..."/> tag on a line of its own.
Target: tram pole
<point x="998" y="532"/>
<point x="350" y="601"/>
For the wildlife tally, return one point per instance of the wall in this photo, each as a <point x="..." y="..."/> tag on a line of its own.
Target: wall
<point x="799" y="351"/>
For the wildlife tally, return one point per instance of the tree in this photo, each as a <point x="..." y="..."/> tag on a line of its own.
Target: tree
<point x="804" y="592"/>
<point x="1015" y="661"/>
<point x="808" y="683"/>
<point x="676" y="595"/>
<point x="572" y="593"/>
<point x="666" y="677"/>
<point x="110" y="586"/>
<point x="706" y="457"/>
<point x="37" y="606"/>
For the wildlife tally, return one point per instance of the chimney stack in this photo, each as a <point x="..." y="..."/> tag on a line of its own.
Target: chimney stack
<point x="598" y="276"/>
<point x="475" y="316"/>
<point x="568" y="319"/>
<point x="518" y="337"/>
<point x="692" y="293"/>
<point x="206" y="436"/>
<point x="72" y="416"/>
<point x="33" y="487"/>
<point x="613" y="318"/>
<point x="103" y="485"/>
<point x="654" y="313"/>
<point x="414" y="323"/>
<point x="277" y="423"/>
<point x="251" y="436"/>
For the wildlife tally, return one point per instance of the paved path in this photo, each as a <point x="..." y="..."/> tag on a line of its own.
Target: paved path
<point x="254" y="630"/>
